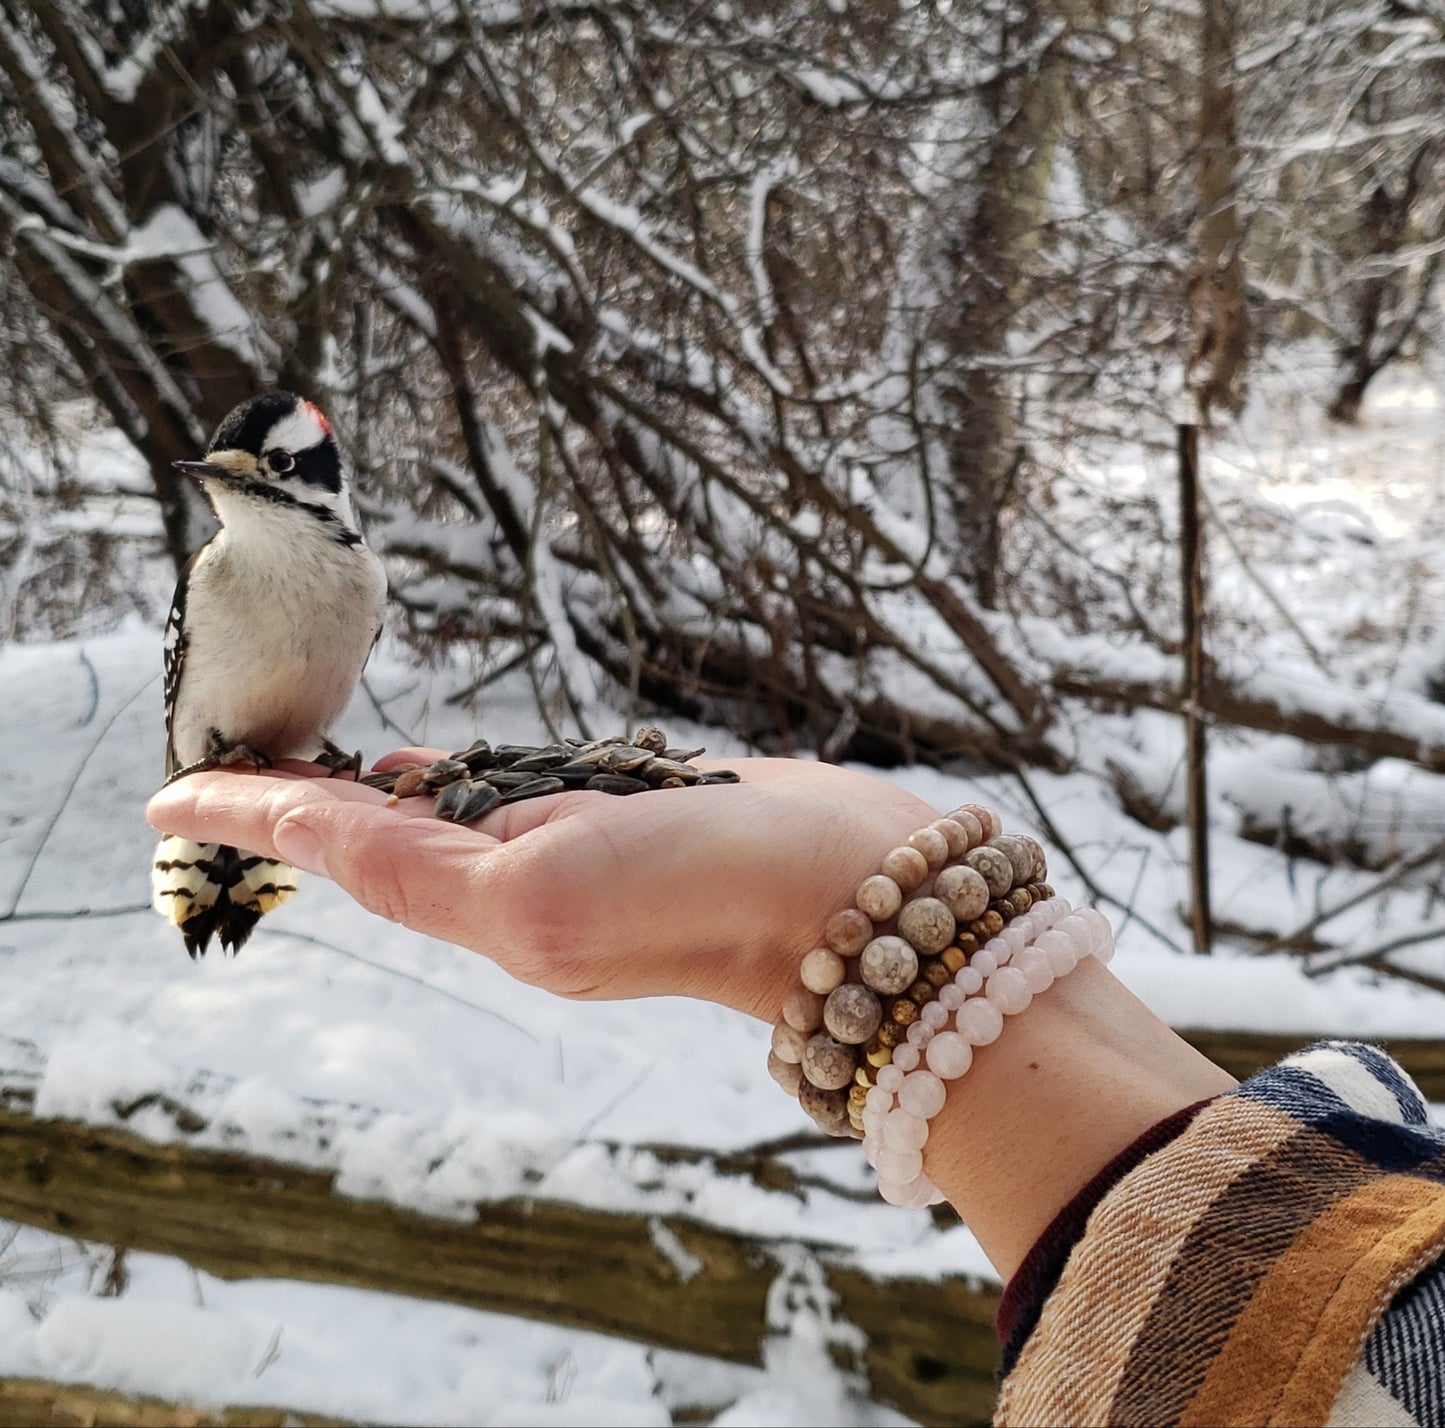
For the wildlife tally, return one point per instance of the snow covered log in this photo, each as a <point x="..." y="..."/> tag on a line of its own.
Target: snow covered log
<point x="1397" y="725"/>
<point x="666" y="1280"/>
<point x="26" y="1401"/>
<point x="930" y="1347"/>
<point x="1241" y="1053"/>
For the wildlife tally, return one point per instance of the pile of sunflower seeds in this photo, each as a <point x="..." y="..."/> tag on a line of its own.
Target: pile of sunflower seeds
<point x="476" y="780"/>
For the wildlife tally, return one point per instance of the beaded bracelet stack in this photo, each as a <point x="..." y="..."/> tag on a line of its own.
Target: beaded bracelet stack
<point x="975" y="946"/>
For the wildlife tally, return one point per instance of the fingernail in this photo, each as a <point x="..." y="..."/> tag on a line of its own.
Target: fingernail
<point x="300" y="847"/>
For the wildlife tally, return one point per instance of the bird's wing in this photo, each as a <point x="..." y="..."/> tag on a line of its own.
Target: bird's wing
<point x="176" y="643"/>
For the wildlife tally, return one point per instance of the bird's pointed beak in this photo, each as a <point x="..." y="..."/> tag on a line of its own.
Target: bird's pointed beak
<point x="202" y="471"/>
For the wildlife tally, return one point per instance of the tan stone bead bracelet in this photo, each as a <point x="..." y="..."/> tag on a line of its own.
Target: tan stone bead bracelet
<point x="934" y="902"/>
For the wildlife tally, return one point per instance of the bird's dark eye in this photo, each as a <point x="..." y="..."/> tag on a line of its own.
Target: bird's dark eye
<point x="280" y="461"/>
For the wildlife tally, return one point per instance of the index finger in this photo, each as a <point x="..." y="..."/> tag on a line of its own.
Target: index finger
<point x="401" y="862"/>
<point x="245" y="811"/>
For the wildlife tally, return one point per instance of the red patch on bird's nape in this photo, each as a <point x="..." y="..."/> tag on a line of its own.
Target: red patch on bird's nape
<point x="320" y="417"/>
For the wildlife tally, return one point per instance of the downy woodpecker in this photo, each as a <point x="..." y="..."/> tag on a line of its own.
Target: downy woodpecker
<point x="270" y="627"/>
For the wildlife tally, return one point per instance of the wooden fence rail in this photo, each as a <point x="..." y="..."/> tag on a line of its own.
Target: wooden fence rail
<point x="930" y="1348"/>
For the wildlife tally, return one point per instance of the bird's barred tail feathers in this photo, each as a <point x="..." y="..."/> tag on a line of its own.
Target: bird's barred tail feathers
<point x="208" y="889"/>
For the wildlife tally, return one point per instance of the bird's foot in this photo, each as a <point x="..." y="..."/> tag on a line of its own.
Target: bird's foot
<point x="339" y="761"/>
<point x="222" y="755"/>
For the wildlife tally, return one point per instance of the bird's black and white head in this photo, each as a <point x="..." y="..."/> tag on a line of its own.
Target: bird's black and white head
<point x="274" y="460"/>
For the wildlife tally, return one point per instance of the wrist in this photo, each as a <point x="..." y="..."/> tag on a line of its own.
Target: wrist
<point x="807" y="892"/>
<point x="1068" y="1086"/>
<point x="958" y="1017"/>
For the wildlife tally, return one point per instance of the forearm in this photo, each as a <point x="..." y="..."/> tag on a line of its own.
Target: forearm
<point x="1068" y="1085"/>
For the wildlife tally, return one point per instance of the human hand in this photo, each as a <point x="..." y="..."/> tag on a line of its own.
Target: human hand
<point x="713" y="892"/>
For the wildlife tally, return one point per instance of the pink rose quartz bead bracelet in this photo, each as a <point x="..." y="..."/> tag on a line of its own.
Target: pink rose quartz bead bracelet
<point x="1045" y="944"/>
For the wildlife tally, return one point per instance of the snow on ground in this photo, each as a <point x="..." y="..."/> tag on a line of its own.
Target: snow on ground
<point x="453" y="1084"/>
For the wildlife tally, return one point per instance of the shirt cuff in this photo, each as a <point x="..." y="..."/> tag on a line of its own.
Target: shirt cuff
<point x="1034" y="1280"/>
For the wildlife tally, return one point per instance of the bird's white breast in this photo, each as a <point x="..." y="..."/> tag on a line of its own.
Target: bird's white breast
<point x="279" y="624"/>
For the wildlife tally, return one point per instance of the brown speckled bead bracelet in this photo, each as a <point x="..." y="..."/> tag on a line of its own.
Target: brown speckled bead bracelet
<point x="945" y="892"/>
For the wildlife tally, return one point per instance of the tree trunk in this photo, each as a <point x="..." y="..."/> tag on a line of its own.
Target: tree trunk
<point x="1216" y="288"/>
<point x="985" y="257"/>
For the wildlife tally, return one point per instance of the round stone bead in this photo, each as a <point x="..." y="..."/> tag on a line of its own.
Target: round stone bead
<point x="954" y="834"/>
<point x="900" y="1166"/>
<point x="906" y="1057"/>
<point x="828" y="1107"/>
<point x="822" y="971"/>
<point x="904" y="1196"/>
<point x="1037" y="969"/>
<point x="923" y="1094"/>
<point x="1012" y="941"/>
<point x="1019" y="855"/>
<point x="890" y="1080"/>
<point x="879" y="898"/>
<point x="803" y="1009"/>
<point x="1007" y="990"/>
<point x="979" y="1022"/>
<point x="827" y="1063"/>
<point x="932" y="844"/>
<point x="951" y="997"/>
<point x="964" y="890"/>
<point x="788" y="1074"/>
<point x="949" y="1056"/>
<point x="935" y="1014"/>
<point x="1040" y="869"/>
<point x="989" y="821"/>
<point x="888" y="965"/>
<point x="875" y="1053"/>
<point x="788" y="1042"/>
<point x="1061" y="950"/>
<point x="907" y="867"/>
<point x="935" y="973"/>
<point x="905" y="1131"/>
<point x="985" y="962"/>
<point x="852" y="1013"/>
<point x="969" y="824"/>
<point x="919" y="1034"/>
<point x="1077" y="927"/>
<point x="927" y="923"/>
<point x="903" y="1011"/>
<point x="993" y="867"/>
<point x="846" y="932"/>
<point x="969" y="981"/>
<point x="1103" y="933"/>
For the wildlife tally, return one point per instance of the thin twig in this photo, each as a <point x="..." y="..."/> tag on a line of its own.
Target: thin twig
<point x="1298" y="940"/>
<point x="1263" y="586"/>
<point x="585" y="1128"/>
<point x="89" y="668"/>
<point x="69" y="793"/>
<point x="405" y="977"/>
<point x="1095" y="891"/>
<point x="1322" y="962"/>
<point x="69" y="914"/>
<point x="387" y="722"/>
<point x="1408" y="974"/>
